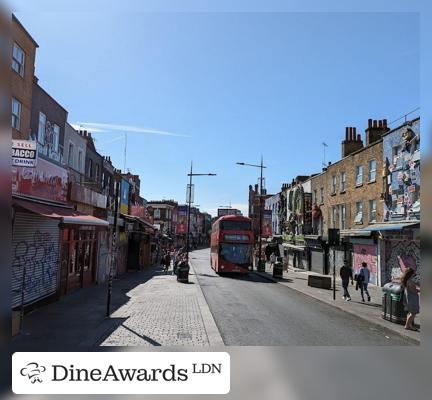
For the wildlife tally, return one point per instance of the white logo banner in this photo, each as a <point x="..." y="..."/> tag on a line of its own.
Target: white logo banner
<point x="121" y="373"/>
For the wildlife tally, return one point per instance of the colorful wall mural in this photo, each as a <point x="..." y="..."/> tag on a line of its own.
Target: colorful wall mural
<point x="399" y="255"/>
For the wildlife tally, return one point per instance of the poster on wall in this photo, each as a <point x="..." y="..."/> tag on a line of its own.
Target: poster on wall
<point x="365" y="253"/>
<point x="124" y="196"/>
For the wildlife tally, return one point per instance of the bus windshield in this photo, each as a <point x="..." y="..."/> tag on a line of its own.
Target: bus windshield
<point x="236" y="225"/>
<point x="236" y="253"/>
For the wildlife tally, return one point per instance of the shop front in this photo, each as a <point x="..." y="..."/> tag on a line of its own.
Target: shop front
<point x="317" y="254"/>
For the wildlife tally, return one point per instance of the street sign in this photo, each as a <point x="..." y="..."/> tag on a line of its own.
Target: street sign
<point x="24" y="153"/>
<point x="190" y="193"/>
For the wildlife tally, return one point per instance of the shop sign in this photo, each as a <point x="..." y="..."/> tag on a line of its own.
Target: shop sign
<point x="24" y="153"/>
<point x="47" y="181"/>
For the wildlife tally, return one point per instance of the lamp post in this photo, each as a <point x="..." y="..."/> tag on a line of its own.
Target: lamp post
<point x="191" y="174"/>
<point x="261" y="167"/>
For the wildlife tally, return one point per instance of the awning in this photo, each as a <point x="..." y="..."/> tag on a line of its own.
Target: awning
<point x="139" y="220"/>
<point x="392" y="226"/>
<point x="66" y="215"/>
<point x="355" y="232"/>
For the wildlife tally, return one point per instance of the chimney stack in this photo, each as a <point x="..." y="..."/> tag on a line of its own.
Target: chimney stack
<point x="375" y="130"/>
<point x="352" y="142"/>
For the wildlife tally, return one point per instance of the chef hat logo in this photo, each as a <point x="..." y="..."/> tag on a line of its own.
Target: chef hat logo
<point x="32" y="371"/>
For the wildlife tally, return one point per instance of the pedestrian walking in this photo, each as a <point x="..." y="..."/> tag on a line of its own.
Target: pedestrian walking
<point x="346" y="275"/>
<point x="411" y="298"/>
<point x="362" y="281"/>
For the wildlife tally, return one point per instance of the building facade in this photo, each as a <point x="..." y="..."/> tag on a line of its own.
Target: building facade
<point x="22" y="76"/>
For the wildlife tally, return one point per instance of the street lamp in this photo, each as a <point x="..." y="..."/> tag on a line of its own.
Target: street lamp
<point x="261" y="167"/>
<point x="191" y="174"/>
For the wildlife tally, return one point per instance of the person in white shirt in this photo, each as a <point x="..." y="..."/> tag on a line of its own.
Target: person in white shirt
<point x="272" y="259"/>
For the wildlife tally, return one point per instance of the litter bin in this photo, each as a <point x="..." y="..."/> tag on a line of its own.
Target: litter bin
<point x="393" y="308"/>
<point x="183" y="272"/>
<point x="278" y="270"/>
<point x="261" y="266"/>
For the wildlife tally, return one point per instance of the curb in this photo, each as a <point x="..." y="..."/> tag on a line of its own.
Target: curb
<point x="352" y="312"/>
<point x="213" y="334"/>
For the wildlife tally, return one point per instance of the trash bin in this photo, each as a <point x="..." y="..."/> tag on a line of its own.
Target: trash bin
<point x="183" y="272"/>
<point x="393" y="308"/>
<point x="278" y="270"/>
<point x="261" y="266"/>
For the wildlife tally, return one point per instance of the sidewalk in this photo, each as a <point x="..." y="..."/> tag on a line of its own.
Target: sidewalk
<point x="371" y="311"/>
<point x="148" y="308"/>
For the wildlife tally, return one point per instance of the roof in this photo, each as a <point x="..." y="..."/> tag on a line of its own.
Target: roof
<point x="65" y="214"/>
<point x="234" y="217"/>
<point x="14" y="18"/>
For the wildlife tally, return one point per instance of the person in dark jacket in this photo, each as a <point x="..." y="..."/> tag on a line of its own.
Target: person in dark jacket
<point x="346" y="275"/>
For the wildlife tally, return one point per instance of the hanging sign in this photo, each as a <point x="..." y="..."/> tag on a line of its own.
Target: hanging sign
<point x="24" y="153"/>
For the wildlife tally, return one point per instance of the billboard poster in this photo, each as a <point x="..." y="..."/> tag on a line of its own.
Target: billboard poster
<point x="124" y="196"/>
<point x="267" y="223"/>
<point x="181" y="227"/>
<point x="48" y="181"/>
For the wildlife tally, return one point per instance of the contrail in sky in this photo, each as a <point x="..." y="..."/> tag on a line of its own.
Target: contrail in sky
<point x="100" y="127"/>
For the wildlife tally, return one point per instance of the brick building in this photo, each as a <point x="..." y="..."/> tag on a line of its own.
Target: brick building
<point x="254" y="206"/>
<point x="21" y="82"/>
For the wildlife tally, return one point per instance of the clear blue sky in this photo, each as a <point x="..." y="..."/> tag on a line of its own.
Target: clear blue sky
<point x="239" y="84"/>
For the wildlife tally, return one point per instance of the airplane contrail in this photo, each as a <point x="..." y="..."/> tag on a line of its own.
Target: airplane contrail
<point x="102" y="127"/>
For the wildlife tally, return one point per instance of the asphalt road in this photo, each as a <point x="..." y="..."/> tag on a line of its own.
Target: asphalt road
<point x="252" y="311"/>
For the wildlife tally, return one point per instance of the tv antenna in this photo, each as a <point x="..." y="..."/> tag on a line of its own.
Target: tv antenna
<point x="324" y="155"/>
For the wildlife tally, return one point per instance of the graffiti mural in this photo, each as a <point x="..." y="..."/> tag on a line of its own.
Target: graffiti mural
<point x="399" y="255"/>
<point x="40" y="258"/>
<point x="365" y="253"/>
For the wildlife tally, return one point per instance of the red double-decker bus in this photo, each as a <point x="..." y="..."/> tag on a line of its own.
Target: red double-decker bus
<point x="232" y="242"/>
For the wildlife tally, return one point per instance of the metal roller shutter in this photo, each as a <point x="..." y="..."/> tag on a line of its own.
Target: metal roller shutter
<point x="35" y="244"/>
<point x="317" y="261"/>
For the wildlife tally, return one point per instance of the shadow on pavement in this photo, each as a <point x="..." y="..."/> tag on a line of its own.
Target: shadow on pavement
<point x="79" y="319"/>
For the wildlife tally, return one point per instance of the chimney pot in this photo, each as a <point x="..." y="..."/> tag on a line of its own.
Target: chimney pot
<point x="359" y="138"/>
<point x="380" y="123"/>
<point x="370" y="123"/>
<point x="385" y="123"/>
<point x="346" y="133"/>
<point x="375" y="123"/>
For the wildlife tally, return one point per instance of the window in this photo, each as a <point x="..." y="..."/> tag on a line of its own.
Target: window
<point x="71" y="155"/>
<point x="397" y="159"/>
<point x="322" y="195"/>
<point x="315" y="199"/>
<point x="342" y="214"/>
<point x="97" y="172"/>
<point x="372" y="171"/>
<point x="79" y="160"/>
<point x="90" y="168"/>
<point x="372" y="210"/>
<point x="56" y="138"/>
<point x="16" y="114"/>
<point x="359" y="175"/>
<point x="41" y="128"/>
<point x="18" y="59"/>
<point x="333" y="216"/>
<point x="236" y="225"/>
<point x="333" y="184"/>
<point x="359" y="213"/>
<point x="157" y="213"/>
<point x="342" y="181"/>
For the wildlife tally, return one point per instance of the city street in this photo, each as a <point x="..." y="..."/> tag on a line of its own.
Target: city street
<point x="252" y="311"/>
